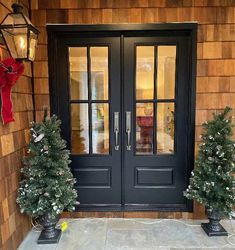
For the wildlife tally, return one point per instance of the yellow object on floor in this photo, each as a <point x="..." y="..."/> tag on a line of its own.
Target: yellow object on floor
<point x="64" y="226"/>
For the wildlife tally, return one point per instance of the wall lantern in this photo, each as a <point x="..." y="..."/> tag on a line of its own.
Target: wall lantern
<point x="20" y="36"/>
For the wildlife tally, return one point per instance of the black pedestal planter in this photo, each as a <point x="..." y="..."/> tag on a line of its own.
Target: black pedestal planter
<point x="49" y="235"/>
<point x="214" y="228"/>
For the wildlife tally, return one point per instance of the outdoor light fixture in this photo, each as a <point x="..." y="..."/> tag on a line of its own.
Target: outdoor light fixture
<point x="20" y="37"/>
<point x="19" y="34"/>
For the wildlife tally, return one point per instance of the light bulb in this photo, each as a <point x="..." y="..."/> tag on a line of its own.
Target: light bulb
<point x="22" y="42"/>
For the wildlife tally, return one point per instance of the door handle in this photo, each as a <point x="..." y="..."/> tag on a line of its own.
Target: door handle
<point x="128" y="130"/>
<point x="116" y="129"/>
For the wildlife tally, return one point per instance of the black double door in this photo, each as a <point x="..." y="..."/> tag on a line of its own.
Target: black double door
<point x="123" y="99"/>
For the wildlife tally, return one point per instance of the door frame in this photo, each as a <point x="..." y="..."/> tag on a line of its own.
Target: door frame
<point x="55" y="32"/>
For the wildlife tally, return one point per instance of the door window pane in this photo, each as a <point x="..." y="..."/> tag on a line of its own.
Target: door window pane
<point x="78" y="73"/>
<point x="99" y="73"/>
<point x="144" y="128"/>
<point x="165" y="128"/>
<point x="144" y="72"/>
<point x="80" y="129"/>
<point x="166" y="72"/>
<point x="100" y="128"/>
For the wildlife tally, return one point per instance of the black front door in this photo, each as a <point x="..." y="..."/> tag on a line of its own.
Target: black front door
<point x="124" y="101"/>
<point x="155" y="75"/>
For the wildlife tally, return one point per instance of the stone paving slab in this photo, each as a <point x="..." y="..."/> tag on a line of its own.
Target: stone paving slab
<point x="134" y="234"/>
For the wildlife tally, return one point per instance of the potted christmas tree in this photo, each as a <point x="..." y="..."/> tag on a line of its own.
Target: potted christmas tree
<point x="47" y="188"/>
<point x="211" y="183"/>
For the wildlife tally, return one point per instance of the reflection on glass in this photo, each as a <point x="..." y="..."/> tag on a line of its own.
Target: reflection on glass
<point x="100" y="128"/>
<point x="144" y="128"/>
<point x="32" y="45"/>
<point x="78" y="73"/>
<point x="144" y="72"/>
<point x="165" y="128"/>
<point x="99" y="73"/>
<point x="80" y="129"/>
<point x="166" y="72"/>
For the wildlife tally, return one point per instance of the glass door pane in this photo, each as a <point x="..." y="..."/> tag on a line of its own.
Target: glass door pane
<point x="144" y="128"/>
<point x="99" y="73"/>
<point x="166" y="60"/>
<point x="79" y="129"/>
<point x="144" y="72"/>
<point x="100" y="128"/>
<point x="89" y="79"/>
<point x="155" y="99"/>
<point x="78" y="73"/>
<point x="165" y="128"/>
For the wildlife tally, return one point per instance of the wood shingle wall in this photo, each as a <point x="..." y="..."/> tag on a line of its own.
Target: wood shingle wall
<point x="215" y="81"/>
<point x="215" y="50"/>
<point x="13" y="137"/>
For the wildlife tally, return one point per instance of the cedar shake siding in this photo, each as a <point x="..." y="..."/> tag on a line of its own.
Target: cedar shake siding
<point x="215" y="82"/>
<point x="13" y="137"/>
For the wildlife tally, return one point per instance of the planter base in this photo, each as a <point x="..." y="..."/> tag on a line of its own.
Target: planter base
<point x="209" y="232"/>
<point x="43" y="240"/>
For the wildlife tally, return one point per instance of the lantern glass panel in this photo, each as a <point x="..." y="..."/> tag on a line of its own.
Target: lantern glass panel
<point x="27" y="20"/>
<point x="15" y="35"/>
<point x="21" y="43"/>
<point x="16" y="40"/>
<point x="9" y="38"/>
<point x="14" y="19"/>
<point x="33" y="38"/>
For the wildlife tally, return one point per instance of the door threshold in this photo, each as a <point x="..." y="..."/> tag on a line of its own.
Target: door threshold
<point x="134" y="208"/>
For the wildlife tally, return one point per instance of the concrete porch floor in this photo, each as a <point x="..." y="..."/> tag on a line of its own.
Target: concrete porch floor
<point x="133" y="234"/>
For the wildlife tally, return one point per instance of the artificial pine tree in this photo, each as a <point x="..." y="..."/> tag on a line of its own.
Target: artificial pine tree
<point x="211" y="182"/>
<point x="47" y="187"/>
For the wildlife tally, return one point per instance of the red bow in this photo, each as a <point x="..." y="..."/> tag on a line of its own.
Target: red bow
<point x="10" y="71"/>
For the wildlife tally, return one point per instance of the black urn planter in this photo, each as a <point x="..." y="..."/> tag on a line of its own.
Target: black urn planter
<point x="49" y="234"/>
<point x="214" y="228"/>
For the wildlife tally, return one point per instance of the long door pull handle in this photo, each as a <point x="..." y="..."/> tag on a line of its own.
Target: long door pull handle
<point x="128" y="130"/>
<point x="116" y="129"/>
